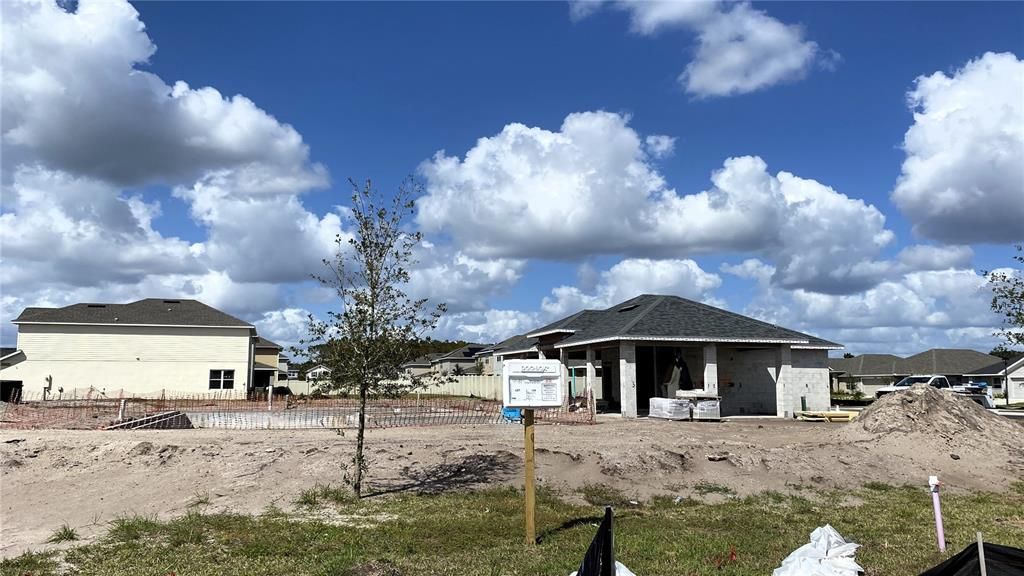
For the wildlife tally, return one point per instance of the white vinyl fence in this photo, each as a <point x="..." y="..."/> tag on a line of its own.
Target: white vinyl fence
<point x="487" y="387"/>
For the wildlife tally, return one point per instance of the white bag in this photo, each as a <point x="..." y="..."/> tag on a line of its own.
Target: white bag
<point x="620" y="570"/>
<point x="827" y="554"/>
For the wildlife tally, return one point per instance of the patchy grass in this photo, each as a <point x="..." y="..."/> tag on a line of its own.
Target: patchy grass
<point x="63" y="534"/>
<point x="704" y="488"/>
<point x="200" y="499"/>
<point x="1018" y="487"/>
<point x="29" y="564"/>
<point x="473" y="533"/>
<point x="132" y="528"/>
<point x="604" y="495"/>
<point x="322" y="493"/>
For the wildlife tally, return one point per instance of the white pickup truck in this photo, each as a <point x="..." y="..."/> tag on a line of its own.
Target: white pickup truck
<point x="933" y="380"/>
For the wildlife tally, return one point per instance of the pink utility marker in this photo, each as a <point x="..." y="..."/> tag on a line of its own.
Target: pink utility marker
<point x="933" y="483"/>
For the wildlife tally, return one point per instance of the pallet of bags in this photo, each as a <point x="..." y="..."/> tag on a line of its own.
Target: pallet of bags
<point x="670" y="409"/>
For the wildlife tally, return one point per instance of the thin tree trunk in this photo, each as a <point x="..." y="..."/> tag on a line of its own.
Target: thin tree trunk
<point x="358" y="484"/>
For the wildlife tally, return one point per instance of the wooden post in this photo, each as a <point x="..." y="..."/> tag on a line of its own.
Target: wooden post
<point x="531" y="530"/>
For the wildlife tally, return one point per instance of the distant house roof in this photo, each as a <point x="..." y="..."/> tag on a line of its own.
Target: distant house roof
<point x="998" y="367"/>
<point x="262" y="342"/>
<point x="148" y="312"/>
<point x="950" y="361"/>
<point x="868" y="365"/>
<point x="516" y="344"/>
<point x="465" y="353"/>
<point x="423" y="361"/>
<point x="671" y="318"/>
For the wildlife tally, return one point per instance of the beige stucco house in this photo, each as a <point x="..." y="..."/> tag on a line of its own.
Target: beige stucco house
<point x="174" y="346"/>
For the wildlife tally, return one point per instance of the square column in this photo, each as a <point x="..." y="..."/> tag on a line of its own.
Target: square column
<point x="591" y="377"/>
<point x="711" y="369"/>
<point x="783" y="365"/>
<point x="563" y="357"/>
<point x="627" y="379"/>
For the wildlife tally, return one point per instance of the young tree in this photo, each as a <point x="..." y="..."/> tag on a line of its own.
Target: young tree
<point x="378" y="326"/>
<point x="1008" y="301"/>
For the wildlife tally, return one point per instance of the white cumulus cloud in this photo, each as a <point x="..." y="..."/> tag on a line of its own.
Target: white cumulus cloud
<point x="86" y="128"/>
<point x="630" y="278"/>
<point x="963" y="176"/>
<point x="739" y="49"/>
<point x="591" y="188"/>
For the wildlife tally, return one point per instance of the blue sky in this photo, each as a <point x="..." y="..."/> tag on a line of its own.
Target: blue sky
<point x="374" y="90"/>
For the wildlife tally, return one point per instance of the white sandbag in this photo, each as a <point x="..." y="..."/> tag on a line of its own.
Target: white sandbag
<point x="827" y="554"/>
<point x="620" y="570"/>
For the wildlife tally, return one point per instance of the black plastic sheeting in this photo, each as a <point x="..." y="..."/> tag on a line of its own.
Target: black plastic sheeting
<point x="600" y="557"/>
<point x="999" y="561"/>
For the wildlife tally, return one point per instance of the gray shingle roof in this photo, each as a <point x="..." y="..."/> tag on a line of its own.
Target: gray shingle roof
<point x="262" y="342"/>
<point x="994" y="368"/>
<point x="950" y="361"/>
<point x="155" y="311"/>
<point x="465" y="353"/>
<point x="513" y="344"/>
<point x="423" y="361"/>
<point x="652" y="316"/>
<point x="868" y="364"/>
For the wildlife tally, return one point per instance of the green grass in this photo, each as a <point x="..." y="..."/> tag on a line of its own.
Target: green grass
<point x="63" y="534"/>
<point x="319" y="494"/>
<point x="704" y="488"/>
<point x="604" y="495"/>
<point x="132" y="528"/>
<point x="479" y="533"/>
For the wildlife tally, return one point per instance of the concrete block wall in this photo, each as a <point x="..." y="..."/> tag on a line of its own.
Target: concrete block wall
<point x="747" y="381"/>
<point x="808" y="377"/>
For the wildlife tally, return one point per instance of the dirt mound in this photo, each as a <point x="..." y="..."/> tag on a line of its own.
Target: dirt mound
<point x="924" y="412"/>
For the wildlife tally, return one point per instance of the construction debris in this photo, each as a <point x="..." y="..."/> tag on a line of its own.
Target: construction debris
<point x="826" y="416"/>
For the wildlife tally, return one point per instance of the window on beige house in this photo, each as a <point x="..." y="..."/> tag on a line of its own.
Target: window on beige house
<point x="222" y="379"/>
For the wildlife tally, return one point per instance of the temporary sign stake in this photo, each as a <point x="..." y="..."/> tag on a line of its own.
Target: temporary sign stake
<point x="530" y="516"/>
<point x="529" y="384"/>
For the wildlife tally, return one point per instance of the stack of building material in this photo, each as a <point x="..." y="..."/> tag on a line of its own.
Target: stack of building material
<point x="707" y="409"/>
<point x="670" y="408"/>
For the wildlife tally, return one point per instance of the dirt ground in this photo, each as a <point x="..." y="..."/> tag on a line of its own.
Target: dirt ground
<point x="87" y="478"/>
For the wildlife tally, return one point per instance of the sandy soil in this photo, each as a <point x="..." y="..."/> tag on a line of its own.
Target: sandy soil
<point x="87" y="478"/>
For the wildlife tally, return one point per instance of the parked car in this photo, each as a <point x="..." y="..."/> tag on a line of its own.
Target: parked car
<point x="933" y="380"/>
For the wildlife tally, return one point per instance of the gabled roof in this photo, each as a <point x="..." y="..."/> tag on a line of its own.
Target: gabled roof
<point x="148" y="312"/>
<point x="657" y="317"/>
<point x="948" y="361"/>
<point x="951" y="361"/>
<point x="515" y="344"/>
<point x="868" y="365"/>
<point x="423" y="361"/>
<point x="262" y="342"/>
<point x="463" y="354"/>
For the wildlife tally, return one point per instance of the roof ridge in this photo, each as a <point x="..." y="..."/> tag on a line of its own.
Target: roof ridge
<point x="738" y="315"/>
<point x="653" y="305"/>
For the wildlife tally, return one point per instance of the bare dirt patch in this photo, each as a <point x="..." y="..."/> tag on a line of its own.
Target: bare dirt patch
<point x="88" y="478"/>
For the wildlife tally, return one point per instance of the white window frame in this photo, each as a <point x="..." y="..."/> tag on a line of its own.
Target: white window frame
<point x="222" y="377"/>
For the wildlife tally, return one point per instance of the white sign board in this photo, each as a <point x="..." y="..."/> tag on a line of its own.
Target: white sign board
<point x="532" y="383"/>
